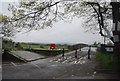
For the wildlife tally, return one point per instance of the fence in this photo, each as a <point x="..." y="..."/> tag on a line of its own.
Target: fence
<point x="106" y="49"/>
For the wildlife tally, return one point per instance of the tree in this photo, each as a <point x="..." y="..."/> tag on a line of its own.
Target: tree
<point x="7" y="41"/>
<point x="6" y="30"/>
<point x="42" y="45"/>
<point x="95" y="44"/>
<point x="35" y="14"/>
<point x="110" y="43"/>
<point x="7" y="44"/>
<point x="19" y="45"/>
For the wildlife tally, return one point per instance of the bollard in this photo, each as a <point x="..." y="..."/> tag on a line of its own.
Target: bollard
<point x="63" y="52"/>
<point x="76" y="53"/>
<point x="80" y="48"/>
<point x="89" y="50"/>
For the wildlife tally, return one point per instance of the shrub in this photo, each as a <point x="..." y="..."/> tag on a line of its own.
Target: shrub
<point x="19" y="45"/>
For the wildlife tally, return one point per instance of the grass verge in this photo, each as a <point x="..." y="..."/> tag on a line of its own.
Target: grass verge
<point x="107" y="62"/>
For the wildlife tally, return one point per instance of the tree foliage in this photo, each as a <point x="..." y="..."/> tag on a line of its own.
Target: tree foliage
<point x="110" y="43"/>
<point x="7" y="44"/>
<point x="95" y="44"/>
<point x="7" y="41"/>
<point x="38" y="14"/>
<point x="42" y="45"/>
<point x="18" y="45"/>
<point x="5" y="28"/>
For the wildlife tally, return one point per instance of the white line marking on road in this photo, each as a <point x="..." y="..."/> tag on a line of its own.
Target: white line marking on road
<point x="13" y="64"/>
<point x="37" y="66"/>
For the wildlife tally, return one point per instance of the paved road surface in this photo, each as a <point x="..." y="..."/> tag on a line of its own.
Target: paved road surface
<point x="50" y="69"/>
<point x="0" y="66"/>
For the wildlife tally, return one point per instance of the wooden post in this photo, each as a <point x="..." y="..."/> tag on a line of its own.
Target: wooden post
<point x="63" y="52"/>
<point x="80" y="48"/>
<point x="76" y="53"/>
<point x="89" y="50"/>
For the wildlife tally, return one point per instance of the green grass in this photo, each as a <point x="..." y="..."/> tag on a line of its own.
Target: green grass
<point x="40" y="48"/>
<point x="30" y="46"/>
<point x="107" y="61"/>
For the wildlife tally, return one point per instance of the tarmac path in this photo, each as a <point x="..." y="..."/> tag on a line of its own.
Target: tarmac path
<point x="53" y="68"/>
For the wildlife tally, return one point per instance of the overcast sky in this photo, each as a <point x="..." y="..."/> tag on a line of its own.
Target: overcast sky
<point x="61" y="32"/>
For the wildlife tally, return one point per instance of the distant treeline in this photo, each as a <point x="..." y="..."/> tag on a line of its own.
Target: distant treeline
<point x="34" y="44"/>
<point x="29" y="45"/>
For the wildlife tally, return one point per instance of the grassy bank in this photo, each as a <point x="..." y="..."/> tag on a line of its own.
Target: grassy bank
<point x="107" y="61"/>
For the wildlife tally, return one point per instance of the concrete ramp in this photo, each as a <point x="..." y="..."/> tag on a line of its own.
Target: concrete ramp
<point x="26" y="55"/>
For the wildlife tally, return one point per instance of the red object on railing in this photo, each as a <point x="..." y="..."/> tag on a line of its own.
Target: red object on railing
<point x="52" y="46"/>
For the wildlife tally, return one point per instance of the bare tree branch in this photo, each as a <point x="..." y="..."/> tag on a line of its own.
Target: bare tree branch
<point x="39" y="11"/>
<point x="100" y="19"/>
